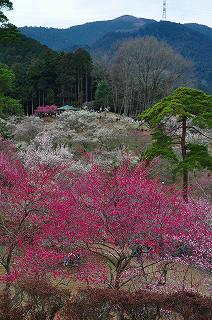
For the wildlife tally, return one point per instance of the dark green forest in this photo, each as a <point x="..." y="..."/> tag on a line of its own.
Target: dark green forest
<point x="44" y="76"/>
<point x="82" y="35"/>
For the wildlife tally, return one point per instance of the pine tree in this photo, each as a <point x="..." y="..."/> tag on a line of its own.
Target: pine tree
<point x="186" y="112"/>
<point x="7" y="30"/>
<point x="103" y="96"/>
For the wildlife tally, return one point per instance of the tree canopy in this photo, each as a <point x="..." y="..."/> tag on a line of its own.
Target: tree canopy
<point x="5" y="5"/>
<point x="180" y="120"/>
<point x="7" y="30"/>
<point x="7" y="78"/>
<point x="183" y="102"/>
<point x="8" y="105"/>
<point x="103" y="96"/>
<point x="146" y="70"/>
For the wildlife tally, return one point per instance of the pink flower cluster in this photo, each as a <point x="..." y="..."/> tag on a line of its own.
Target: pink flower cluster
<point x="102" y="216"/>
<point x="46" y="109"/>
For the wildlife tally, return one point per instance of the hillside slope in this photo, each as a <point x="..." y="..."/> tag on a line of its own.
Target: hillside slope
<point x="83" y="35"/>
<point x="22" y="50"/>
<point x="193" y="41"/>
<point x="192" y="44"/>
<point x="200" y="28"/>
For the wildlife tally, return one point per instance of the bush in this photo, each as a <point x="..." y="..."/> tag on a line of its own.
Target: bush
<point x="103" y="304"/>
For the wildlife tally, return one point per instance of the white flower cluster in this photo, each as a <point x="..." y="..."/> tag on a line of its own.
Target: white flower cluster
<point x="63" y="138"/>
<point x="193" y="134"/>
<point x="27" y="129"/>
<point x="45" y="152"/>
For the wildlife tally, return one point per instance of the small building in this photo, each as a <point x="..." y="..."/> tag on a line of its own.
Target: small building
<point x="67" y="108"/>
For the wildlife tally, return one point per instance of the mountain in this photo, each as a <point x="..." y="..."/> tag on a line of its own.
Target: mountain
<point x="192" y="44"/>
<point x="192" y="40"/>
<point x="82" y="35"/>
<point x="200" y="28"/>
<point x="22" y="50"/>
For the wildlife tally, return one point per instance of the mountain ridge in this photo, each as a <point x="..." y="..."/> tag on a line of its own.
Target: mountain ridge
<point x="192" y="41"/>
<point x="200" y="28"/>
<point x="191" y="44"/>
<point x="89" y="33"/>
<point x="84" y="34"/>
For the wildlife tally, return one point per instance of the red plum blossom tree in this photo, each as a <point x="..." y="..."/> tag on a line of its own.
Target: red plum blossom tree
<point x="113" y="226"/>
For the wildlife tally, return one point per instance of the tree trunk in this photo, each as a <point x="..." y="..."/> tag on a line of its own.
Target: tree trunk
<point x="78" y="86"/>
<point x="184" y="152"/>
<point x="86" y="86"/>
<point x="91" y="89"/>
<point x="6" y="290"/>
<point x="32" y="106"/>
<point x="43" y="99"/>
<point x="119" y="315"/>
<point x="81" y="87"/>
<point x="27" y="108"/>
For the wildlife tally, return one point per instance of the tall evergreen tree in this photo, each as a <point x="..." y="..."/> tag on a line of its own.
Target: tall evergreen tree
<point x="185" y="113"/>
<point x="83" y="67"/>
<point x="66" y="78"/>
<point x="4" y="5"/>
<point x="103" y="96"/>
<point x="8" y="105"/>
<point x="7" y="30"/>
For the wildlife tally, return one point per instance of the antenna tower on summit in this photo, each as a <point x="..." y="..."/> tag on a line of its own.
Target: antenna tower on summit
<point x="164" y="17"/>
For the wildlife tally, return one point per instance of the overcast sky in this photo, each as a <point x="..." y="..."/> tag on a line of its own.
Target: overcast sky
<point x="66" y="13"/>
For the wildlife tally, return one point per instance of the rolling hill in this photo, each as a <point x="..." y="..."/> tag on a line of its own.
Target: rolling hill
<point x="192" y="40"/>
<point x="21" y="50"/>
<point x="200" y="28"/>
<point x="192" y="44"/>
<point x="82" y="35"/>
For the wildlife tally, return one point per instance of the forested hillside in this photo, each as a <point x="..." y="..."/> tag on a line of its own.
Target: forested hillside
<point x="21" y="50"/>
<point x="193" y="41"/>
<point x="45" y="76"/>
<point x="82" y="35"/>
<point x="200" y="28"/>
<point x="191" y="44"/>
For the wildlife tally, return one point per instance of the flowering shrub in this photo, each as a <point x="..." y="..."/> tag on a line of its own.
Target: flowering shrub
<point x="118" y="220"/>
<point x="72" y="134"/>
<point x="105" y="304"/>
<point x="46" y="109"/>
<point x="76" y="188"/>
<point x="26" y="129"/>
<point x="42" y="150"/>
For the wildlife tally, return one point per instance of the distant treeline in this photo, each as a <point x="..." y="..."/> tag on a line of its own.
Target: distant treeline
<point x="139" y="73"/>
<point x="44" y="76"/>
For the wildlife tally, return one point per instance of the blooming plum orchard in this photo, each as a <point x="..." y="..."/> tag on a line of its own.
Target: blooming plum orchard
<point x="28" y="200"/>
<point x="126" y="228"/>
<point x="70" y="132"/>
<point x="129" y="215"/>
